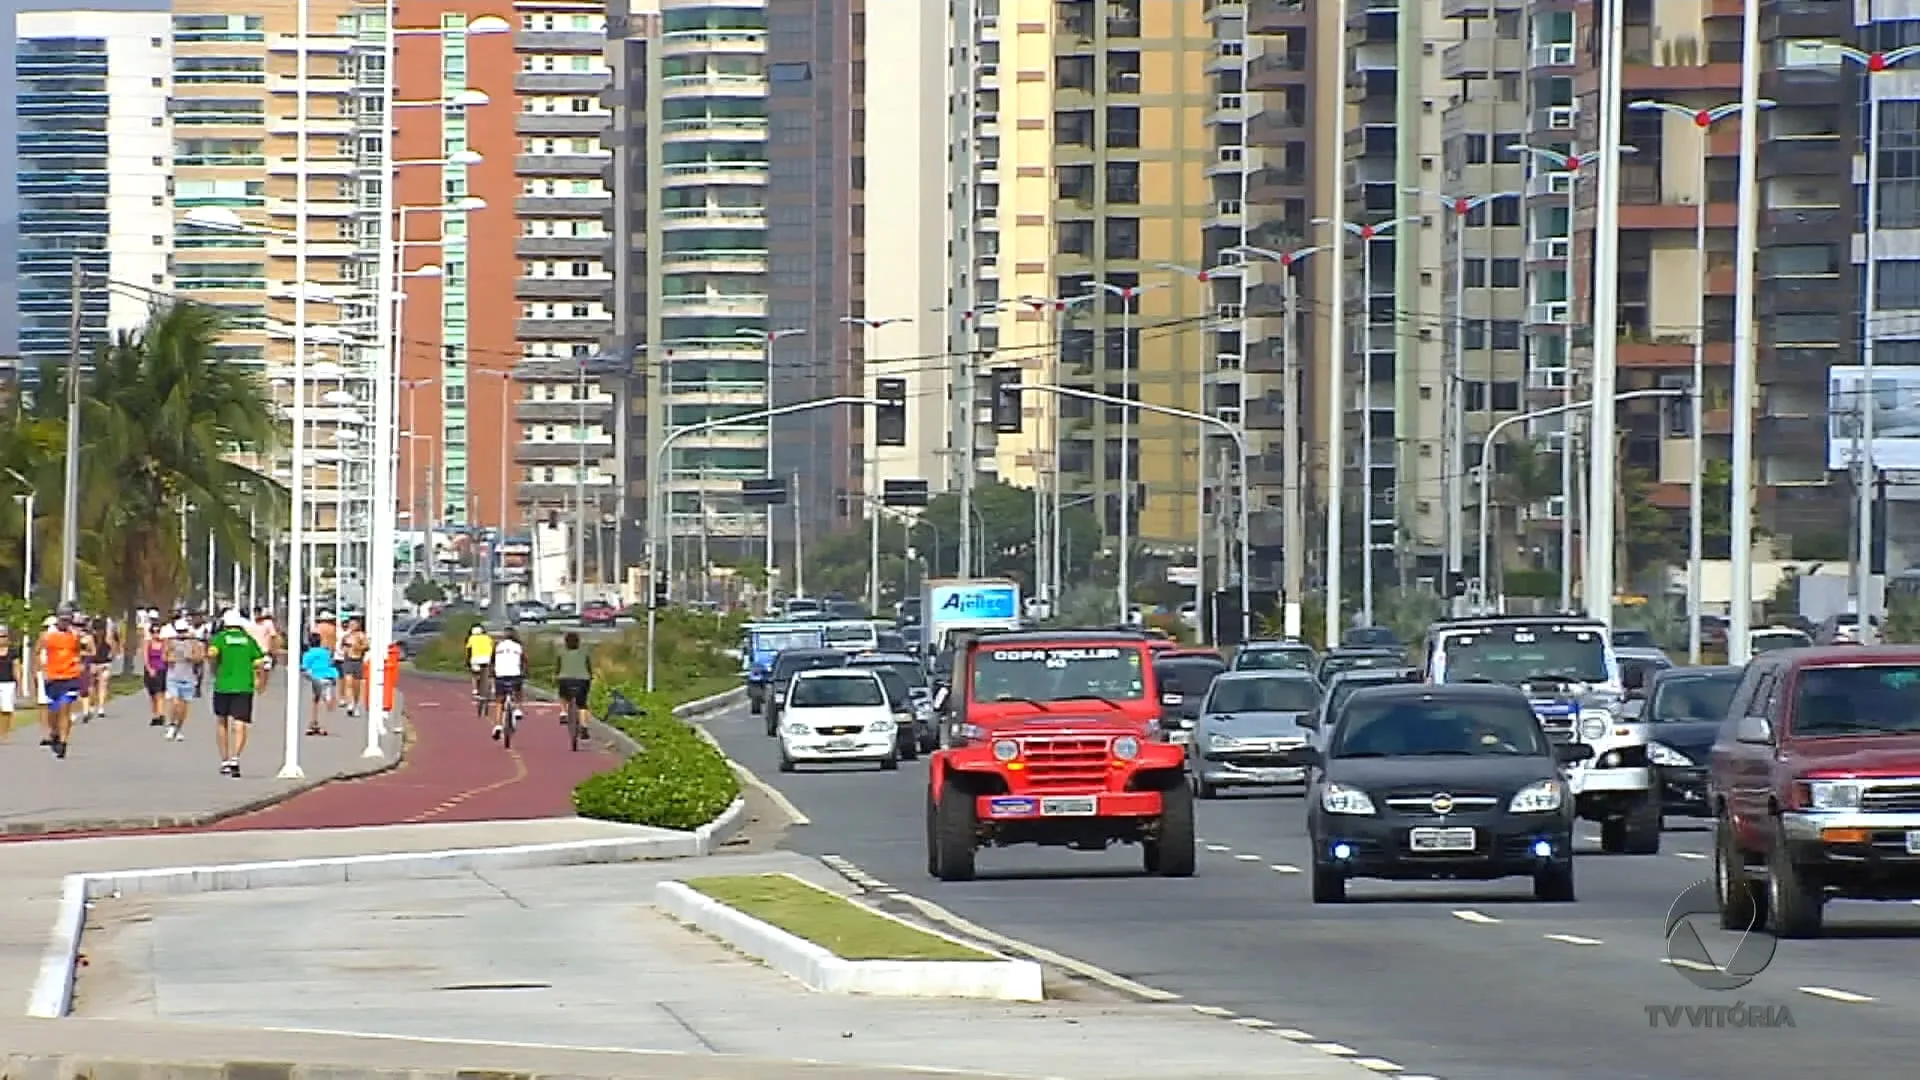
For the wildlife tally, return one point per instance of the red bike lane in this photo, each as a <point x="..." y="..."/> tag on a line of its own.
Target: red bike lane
<point x="451" y="771"/>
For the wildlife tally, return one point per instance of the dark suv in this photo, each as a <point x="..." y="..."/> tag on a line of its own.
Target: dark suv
<point x="1815" y="786"/>
<point x="789" y="663"/>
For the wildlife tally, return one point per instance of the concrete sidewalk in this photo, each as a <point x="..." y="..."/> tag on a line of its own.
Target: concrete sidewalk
<point x="120" y="774"/>
<point x="568" y="958"/>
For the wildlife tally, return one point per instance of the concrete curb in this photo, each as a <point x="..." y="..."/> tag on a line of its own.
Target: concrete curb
<point x="816" y="968"/>
<point x="52" y="993"/>
<point x="83" y="826"/>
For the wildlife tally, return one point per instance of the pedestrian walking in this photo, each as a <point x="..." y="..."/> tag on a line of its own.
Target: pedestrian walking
<point x="353" y="664"/>
<point x="101" y="655"/>
<point x="268" y="637"/>
<point x="61" y="660"/>
<point x="236" y="657"/>
<point x="9" y="682"/>
<point x="153" y="670"/>
<point x="184" y="658"/>
<point x="323" y="676"/>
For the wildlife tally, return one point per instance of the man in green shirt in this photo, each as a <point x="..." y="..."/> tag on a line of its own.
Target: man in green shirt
<point x="236" y="656"/>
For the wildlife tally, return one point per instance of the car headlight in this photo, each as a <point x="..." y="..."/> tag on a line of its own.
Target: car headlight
<point x="1006" y="750"/>
<point x="880" y="727"/>
<point x="1667" y="757"/>
<point x="1341" y="799"/>
<point x="1593" y="725"/>
<point x="1126" y="748"/>
<point x="1539" y="797"/>
<point x="799" y="729"/>
<point x="1833" y="795"/>
<point x="1222" y="742"/>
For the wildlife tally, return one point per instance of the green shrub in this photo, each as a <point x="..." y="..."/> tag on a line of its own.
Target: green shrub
<point x="677" y="780"/>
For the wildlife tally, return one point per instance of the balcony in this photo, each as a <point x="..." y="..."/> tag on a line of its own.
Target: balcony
<point x="746" y="261"/>
<point x="705" y="173"/>
<point x="559" y="247"/>
<point x="555" y="452"/>
<point x="1378" y="23"/>
<point x="561" y="205"/>
<point x="1549" y="58"/>
<point x="559" y="41"/>
<point x="1805" y="19"/>
<point x="1641" y="207"/>
<point x="1270" y="186"/>
<point x="1263" y="414"/>
<point x="560" y="82"/>
<point x="713" y="217"/>
<point x="705" y="42"/>
<point x="1553" y="122"/>
<point x="1469" y="59"/>
<point x="1552" y="250"/>
<point x="713" y="84"/>
<point x="1277" y="127"/>
<point x="1549" y="313"/>
<point x="717" y="128"/>
<point x="596" y="410"/>
<point x="1267" y="470"/>
<point x="1806" y="295"/>
<point x="714" y="305"/>
<point x="562" y="329"/>
<point x="1265" y="358"/>
<point x="1546" y="185"/>
<point x="1825" y="155"/>
<point x="1808" y="85"/>
<point x="560" y="164"/>
<point x="561" y="288"/>
<point x="1670" y="351"/>
<point x="1277" y="71"/>
<point x="1275" y="16"/>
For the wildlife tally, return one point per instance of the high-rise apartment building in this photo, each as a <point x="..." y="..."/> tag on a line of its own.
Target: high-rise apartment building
<point x="1082" y="156"/>
<point x="93" y="155"/>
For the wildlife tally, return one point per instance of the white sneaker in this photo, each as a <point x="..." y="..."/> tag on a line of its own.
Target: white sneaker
<point x="497" y="732"/>
<point x="173" y="731"/>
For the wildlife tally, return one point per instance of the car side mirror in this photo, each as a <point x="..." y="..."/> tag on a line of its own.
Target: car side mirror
<point x="1572" y="753"/>
<point x="1633" y="680"/>
<point x="1632" y="708"/>
<point x="1755" y="730"/>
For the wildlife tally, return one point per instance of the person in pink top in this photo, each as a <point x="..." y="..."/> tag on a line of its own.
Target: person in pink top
<point x="265" y="634"/>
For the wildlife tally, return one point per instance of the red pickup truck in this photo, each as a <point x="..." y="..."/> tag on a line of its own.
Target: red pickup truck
<point x="1815" y="786"/>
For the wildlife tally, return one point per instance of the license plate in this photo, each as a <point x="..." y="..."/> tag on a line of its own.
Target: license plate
<point x="1070" y="806"/>
<point x="840" y="744"/>
<point x="1913" y="841"/>
<point x="1275" y="776"/>
<point x="1441" y="839"/>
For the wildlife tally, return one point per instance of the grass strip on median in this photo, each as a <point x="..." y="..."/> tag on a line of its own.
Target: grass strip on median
<point x="828" y="920"/>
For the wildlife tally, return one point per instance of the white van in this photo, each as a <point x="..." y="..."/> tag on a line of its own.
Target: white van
<point x="852" y="636"/>
<point x="838" y="714"/>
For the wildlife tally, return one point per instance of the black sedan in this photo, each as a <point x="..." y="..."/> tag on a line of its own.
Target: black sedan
<point x="1683" y="711"/>
<point x="1441" y="782"/>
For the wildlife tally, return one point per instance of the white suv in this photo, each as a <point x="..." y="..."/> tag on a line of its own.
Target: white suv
<point x="837" y="714"/>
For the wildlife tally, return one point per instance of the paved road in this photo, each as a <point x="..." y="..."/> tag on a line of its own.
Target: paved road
<point x="121" y="774"/>
<point x="452" y="772"/>
<point x="1465" y="982"/>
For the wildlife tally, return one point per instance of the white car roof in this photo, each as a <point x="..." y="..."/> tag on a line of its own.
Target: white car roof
<point x="838" y="673"/>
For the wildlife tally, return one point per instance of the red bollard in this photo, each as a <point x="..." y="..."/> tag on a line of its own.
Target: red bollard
<point x="393" y="676"/>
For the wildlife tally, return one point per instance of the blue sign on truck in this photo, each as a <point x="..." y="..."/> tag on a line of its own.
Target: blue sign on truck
<point x="974" y="603"/>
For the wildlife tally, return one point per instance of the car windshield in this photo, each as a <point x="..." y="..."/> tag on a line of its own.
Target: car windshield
<point x="1065" y="673"/>
<point x="774" y="641"/>
<point x="787" y="666"/>
<point x="1274" y="660"/>
<point x="1634" y="639"/>
<point x="1263" y="695"/>
<point x="1342" y="689"/>
<point x="908" y="671"/>
<point x="1770" y="640"/>
<point x="1413" y="727"/>
<point x="1189" y="678"/>
<point x="1869" y="699"/>
<point x="897" y="692"/>
<point x="851" y="634"/>
<point x="1357" y="662"/>
<point x="1519" y="654"/>
<point x="1370" y="635"/>
<point x="826" y="691"/>
<point x="1681" y="699"/>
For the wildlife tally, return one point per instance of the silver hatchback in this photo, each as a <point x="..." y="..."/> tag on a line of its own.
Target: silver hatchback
<point x="1250" y="731"/>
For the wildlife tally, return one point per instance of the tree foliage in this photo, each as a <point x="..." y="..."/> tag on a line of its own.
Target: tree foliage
<point x="164" y="424"/>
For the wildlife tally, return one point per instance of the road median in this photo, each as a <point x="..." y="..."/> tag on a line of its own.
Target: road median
<point x="832" y="944"/>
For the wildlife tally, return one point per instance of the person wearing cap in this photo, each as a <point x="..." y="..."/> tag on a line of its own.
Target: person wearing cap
<point x="184" y="658"/>
<point x="236" y="657"/>
<point x="61" y="663"/>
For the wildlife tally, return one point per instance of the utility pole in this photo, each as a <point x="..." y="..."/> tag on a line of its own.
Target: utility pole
<point x="799" y="574"/>
<point x="580" y="491"/>
<point x="963" y="393"/>
<point x="1293" y="518"/>
<point x="70" y="500"/>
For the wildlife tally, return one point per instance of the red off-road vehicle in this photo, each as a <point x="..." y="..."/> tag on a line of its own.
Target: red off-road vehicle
<point x="1060" y="744"/>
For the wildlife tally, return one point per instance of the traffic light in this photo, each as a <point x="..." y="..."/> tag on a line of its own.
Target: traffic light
<point x="659" y="589"/>
<point x="904" y="493"/>
<point x="1006" y="401"/>
<point x="890" y="417"/>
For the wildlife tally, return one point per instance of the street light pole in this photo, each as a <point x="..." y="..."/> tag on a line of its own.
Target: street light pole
<point x="1336" y="362"/>
<point x="1703" y="120"/>
<point x="26" y="501"/>
<point x="1200" y="621"/>
<point x="1601" y="488"/>
<point x="1124" y="584"/>
<point x="769" y="340"/>
<point x="659" y="547"/>
<point x="579" y="490"/>
<point x="1486" y="461"/>
<point x="1232" y="431"/>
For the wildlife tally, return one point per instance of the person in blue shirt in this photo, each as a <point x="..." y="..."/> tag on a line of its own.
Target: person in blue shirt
<point x="316" y="663"/>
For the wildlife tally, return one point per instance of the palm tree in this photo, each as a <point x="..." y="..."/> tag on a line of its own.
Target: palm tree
<point x="1531" y="473"/>
<point x="164" y="423"/>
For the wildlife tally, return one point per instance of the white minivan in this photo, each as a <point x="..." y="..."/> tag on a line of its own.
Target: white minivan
<point x="838" y="714"/>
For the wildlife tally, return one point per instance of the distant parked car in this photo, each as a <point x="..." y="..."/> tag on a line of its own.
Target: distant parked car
<point x="529" y="612"/>
<point x="599" y="613"/>
<point x="418" y="635"/>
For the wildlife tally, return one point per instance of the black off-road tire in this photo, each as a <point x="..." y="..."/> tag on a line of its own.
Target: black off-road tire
<point x="954" y="825"/>
<point x="1173" y="852"/>
<point x="1796" y="907"/>
<point x="1642" y="825"/>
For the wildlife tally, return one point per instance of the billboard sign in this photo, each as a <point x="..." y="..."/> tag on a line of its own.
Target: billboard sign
<point x="1896" y="416"/>
<point x="974" y="603"/>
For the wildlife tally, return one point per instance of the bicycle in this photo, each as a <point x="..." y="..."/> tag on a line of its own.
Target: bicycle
<point x="510" y="717"/>
<point x="482" y="692"/>
<point x="573" y="724"/>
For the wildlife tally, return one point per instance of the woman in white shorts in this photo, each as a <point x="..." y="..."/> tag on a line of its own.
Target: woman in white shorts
<point x="9" y="680"/>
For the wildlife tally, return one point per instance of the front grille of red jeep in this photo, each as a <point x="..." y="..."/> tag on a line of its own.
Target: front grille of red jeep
<point x="1066" y="763"/>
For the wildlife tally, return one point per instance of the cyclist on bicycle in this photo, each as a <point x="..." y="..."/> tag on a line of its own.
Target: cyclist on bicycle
<point x="574" y="679"/>
<point x="509" y="672"/>
<point x="479" y="659"/>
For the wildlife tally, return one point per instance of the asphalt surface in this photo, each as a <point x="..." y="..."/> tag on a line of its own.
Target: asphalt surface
<point x="1463" y="981"/>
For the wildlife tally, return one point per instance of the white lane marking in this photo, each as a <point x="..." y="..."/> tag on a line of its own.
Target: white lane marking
<point x="1378" y="1065"/>
<point x="1294" y="1034"/>
<point x="773" y="794"/>
<point x="1212" y="1010"/>
<point x="1284" y="868"/>
<point x="1252" y="1022"/>
<point x="1475" y="917"/>
<point x="1845" y="996"/>
<point x="1690" y="965"/>
<point x="1248" y="858"/>
<point x="1336" y="1049"/>
<point x="1218" y="847"/>
<point x="1573" y="939"/>
<point x="1688" y="855"/>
